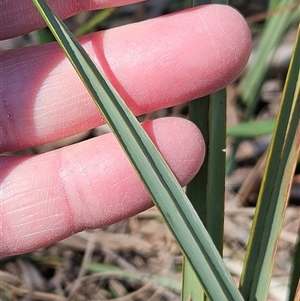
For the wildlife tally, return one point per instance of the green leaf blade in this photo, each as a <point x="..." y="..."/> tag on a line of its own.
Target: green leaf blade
<point x="273" y="195"/>
<point x="151" y="167"/>
<point x="251" y="129"/>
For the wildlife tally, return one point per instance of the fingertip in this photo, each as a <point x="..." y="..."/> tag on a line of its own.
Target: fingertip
<point x="181" y="143"/>
<point x="220" y="47"/>
<point x="236" y="42"/>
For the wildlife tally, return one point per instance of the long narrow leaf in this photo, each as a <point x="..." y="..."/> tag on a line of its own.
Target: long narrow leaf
<point x="251" y="129"/>
<point x="273" y="196"/>
<point x="157" y="177"/>
<point x="206" y="190"/>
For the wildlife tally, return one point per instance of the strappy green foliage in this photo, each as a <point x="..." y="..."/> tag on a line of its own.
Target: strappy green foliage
<point x="206" y="190"/>
<point x="274" y="191"/>
<point x="149" y="164"/>
<point x="204" y="271"/>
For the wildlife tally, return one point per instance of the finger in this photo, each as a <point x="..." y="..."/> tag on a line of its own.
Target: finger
<point x="154" y="64"/>
<point x="18" y="17"/>
<point x="48" y="197"/>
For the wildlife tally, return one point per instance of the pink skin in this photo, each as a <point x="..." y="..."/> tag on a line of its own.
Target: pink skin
<point x="153" y="64"/>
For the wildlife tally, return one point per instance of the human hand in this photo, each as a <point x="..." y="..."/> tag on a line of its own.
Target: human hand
<point x="154" y="64"/>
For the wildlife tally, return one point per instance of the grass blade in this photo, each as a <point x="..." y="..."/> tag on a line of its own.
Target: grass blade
<point x="206" y="191"/>
<point x="273" y="195"/>
<point x="157" y="177"/>
<point x="251" y="129"/>
<point x="208" y="188"/>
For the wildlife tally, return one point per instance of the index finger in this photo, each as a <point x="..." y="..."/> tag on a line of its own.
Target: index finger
<point x="153" y="64"/>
